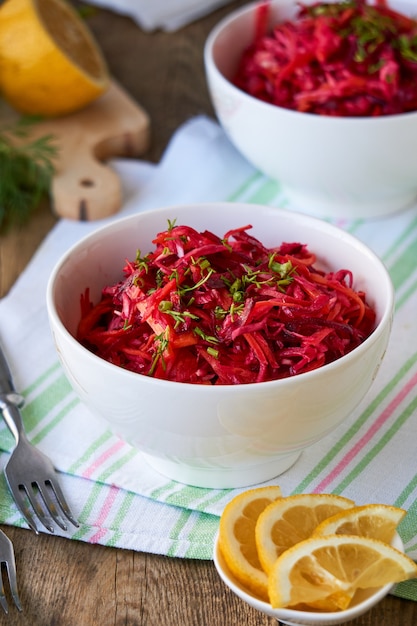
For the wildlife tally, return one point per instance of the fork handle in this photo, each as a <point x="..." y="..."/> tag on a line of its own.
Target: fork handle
<point x="10" y="404"/>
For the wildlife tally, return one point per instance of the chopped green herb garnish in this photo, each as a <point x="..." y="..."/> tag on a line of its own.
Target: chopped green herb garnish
<point x="225" y="314"/>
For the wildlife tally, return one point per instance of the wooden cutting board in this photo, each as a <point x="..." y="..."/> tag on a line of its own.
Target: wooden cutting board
<point x="85" y="187"/>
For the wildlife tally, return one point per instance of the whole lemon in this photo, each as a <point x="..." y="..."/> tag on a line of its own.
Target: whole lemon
<point x="50" y="64"/>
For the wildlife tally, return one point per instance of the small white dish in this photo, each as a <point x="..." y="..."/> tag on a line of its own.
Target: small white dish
<point x="291" y="617"/>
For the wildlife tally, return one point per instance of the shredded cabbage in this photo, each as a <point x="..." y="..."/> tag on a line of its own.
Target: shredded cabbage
<point x="336" y="59"/>
<point x="224" y="311"/>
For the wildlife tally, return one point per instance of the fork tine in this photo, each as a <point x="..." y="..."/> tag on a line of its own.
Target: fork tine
<point x="59" y="495"/>
<point x="8" y="560"/>
<point x="21" y="503"/>
<point x="22" y="494"/>
<point x="44" y="519"/>
<point x="51" y="505"/>
<point x="11" y="571"/>
<point x="3" y="600"/>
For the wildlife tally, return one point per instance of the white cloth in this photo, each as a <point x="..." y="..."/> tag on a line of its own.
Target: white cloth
<point x="168" y="15"/>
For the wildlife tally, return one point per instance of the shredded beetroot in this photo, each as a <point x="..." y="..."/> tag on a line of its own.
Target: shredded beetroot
<point x="336" y="59"/>
<point x="200" y="309"/>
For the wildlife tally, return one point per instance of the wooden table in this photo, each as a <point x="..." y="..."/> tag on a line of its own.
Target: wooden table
<point x="69" y="583"/>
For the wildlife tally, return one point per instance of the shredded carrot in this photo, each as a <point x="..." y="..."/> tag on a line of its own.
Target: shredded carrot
<point x="345" y="59"/>
<point x="209" y="310"/>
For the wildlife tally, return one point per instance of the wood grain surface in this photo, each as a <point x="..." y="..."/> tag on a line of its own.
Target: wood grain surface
<point x="69" y="583"/>
<point x="85" y="186"/>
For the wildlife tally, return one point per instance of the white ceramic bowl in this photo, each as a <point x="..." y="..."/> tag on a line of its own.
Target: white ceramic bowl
<point x="364" y="601"/>
<point x="328" y="166"/>
<point x="227" y="435"/>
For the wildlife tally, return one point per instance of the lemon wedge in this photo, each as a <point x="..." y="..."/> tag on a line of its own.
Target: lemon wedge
<point x="376" y="521"/>
<point x="237" y="537"/>
<point x="289" y="520"/>
<point x="323" y="573"/>
<point x="50" y="64"/>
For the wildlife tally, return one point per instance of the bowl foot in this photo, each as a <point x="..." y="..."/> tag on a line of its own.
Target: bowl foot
<point x="222" y="477"/>
<point x="349" y="208"/>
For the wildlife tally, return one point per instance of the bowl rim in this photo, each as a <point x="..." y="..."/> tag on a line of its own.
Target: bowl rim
<point x="319" y="224"/>
<point x="319" y="618"/>
<point x="211" y="67"/>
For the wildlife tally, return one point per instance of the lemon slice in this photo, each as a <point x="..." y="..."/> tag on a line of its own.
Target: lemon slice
<point x="50" y="64"/>
<point x="323" y="573"/>
<point x="286" y="522"/>
<point x="237" y="537"/>
<point x="377" y="521"/>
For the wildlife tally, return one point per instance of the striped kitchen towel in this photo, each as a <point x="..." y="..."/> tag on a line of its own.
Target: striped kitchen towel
<point x="118" y="499"/>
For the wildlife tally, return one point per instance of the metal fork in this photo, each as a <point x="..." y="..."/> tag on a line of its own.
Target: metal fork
<point x="30" y="474"/>
<point x="7" y="563"/>
<point x="32" y="478"/>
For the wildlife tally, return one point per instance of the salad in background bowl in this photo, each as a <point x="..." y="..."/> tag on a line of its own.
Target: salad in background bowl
<point x="336" y="148"/>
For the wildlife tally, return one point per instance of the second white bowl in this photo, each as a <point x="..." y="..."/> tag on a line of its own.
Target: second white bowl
<point x="328" y="166"/>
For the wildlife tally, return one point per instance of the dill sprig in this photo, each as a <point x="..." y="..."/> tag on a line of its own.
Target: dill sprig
<point x="26" y="170"/>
